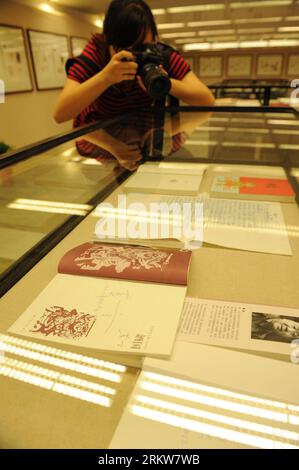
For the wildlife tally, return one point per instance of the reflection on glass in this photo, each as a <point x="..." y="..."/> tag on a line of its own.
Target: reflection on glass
<point x="50" y="206"/>
<point x="56" y="380"/>
<point x="215" y="412"/>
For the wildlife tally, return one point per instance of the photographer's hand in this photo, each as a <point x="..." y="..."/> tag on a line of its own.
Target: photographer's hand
<point x="121" y="67"/>
<point x="127" y="154"/>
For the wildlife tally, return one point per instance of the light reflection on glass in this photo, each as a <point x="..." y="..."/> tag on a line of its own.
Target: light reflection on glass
<point x="217" y="417"/>
<point x="215" y="412"/>
<point x="54" y="207"/>
<point x="216" y="402"/>
<point x="55" y="381"/>
<point x="64" y="359"/>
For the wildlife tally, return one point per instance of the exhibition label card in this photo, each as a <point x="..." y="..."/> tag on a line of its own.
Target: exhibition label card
<point x="240" y="325"/>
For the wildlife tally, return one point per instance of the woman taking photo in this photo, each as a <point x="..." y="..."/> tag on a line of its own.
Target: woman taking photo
<point x="103" y="81"/>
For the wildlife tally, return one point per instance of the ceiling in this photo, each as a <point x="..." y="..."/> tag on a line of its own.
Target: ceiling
<point x="210" y="25"/>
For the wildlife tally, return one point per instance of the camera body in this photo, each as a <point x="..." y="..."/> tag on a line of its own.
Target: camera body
<point x="149" y="58"/>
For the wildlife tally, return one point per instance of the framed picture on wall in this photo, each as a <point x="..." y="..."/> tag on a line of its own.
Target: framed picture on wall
<point x="293" y="65"/>
<point x="14" y="66"/>
<point x="269" y="65"/>
<point x="239" y="66"/>
<point x="49" y="54"/>
<point x="77" y="45"/>
<point x="210" y="66"/>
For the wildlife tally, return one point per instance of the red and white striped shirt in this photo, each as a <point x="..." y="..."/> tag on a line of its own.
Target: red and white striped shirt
<point x="113" y="101"/>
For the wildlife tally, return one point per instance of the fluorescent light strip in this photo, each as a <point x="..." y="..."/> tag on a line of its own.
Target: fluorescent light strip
<point x="283" y="132"/>
<point x="219" y="418"/>
<point x="192" y="8"/>
<point x="274" y="19"/>
<point x="49" y="380"/>
<point x="282" y="122"/>
<point x="159" y="11"/>
<point x="218" y="32"/>
<point x="289" y="147"/>
<point x="241" y="44"/>
<point x="283" y="42"/>
<point x="192" y="24"/>
<point x="255" y="30"/>
<point x="204" y="429"/>
<point x="197" y="46"/>
<point x="50" y="210"/>
<point x="187" y="41"/>
<point x="261" y="3"/>
<point x="181" y="383"/>
<point x="181" y="35"/>
<point x="38" y="202"/>
<point x="288" y="29"/>
<point x="65" y="364"/>
<point x="75" y="357"/>
<point x="235" y="406"/>
<point x="170" y="25"/>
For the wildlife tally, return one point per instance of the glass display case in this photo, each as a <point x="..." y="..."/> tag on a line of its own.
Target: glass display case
<point x="48" y="188"/>
<point x="49" y="192"/>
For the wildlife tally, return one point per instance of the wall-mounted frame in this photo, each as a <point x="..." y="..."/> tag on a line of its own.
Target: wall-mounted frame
<point x="269" y="65"/>
<point x="49" y="54"/>
<point x="293" y="65"/>
<point x="77" y="45"/>
<point x="210" y="66"/>
<point x="239" y="66"/>
<point x="14" y="65"/>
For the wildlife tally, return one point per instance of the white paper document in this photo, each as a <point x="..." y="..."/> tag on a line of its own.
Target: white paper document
<point x="244" y="225"/>
<point x="247" y="225"/>
<point x="240" y="325"/>
<point x="149" y="178"/>
<point x="207" y="397"/>
<point x="105" y="314"/>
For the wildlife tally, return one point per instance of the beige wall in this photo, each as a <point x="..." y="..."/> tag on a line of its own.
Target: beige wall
<point x="27" y="117"/>
<point x="254" y="53"/>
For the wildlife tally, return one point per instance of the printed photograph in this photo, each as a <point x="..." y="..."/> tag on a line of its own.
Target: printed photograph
<point x="279" y="328"/>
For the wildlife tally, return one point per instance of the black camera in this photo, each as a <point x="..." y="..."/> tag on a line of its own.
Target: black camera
<point x="149" y="58"/>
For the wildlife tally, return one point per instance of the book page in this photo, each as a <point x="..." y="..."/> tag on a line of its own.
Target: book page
<point x="245" y="225"/>
<point x="105" y="314"/>
<point x="133" y="263"/>
<point x="239" y="325"/>
<point x="164" y="183"/>
<point x="207" y="397"/>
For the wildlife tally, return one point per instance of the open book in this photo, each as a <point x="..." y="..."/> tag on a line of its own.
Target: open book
<point x="117" y="299"/>
<point x="190" y="221"/>
<point x="207" y="398"/>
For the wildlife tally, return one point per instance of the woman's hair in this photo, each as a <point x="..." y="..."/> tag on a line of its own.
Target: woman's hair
<point x="127" y="23"/>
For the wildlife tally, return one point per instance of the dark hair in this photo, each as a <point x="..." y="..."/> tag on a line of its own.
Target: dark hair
<point x="127" y="23"/>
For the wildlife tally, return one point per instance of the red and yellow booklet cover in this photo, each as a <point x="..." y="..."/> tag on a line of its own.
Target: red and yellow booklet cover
<point x="246" y="187"/>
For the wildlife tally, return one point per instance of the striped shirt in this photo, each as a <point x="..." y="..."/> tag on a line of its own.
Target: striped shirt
<point x="118" y="99"/>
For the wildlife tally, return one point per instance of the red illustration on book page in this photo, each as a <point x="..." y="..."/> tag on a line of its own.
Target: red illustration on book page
<point x="134" y="263"/>
<point x="65" y="323"/>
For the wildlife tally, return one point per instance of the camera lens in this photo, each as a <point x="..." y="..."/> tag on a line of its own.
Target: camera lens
<point x="156" y="82"/>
